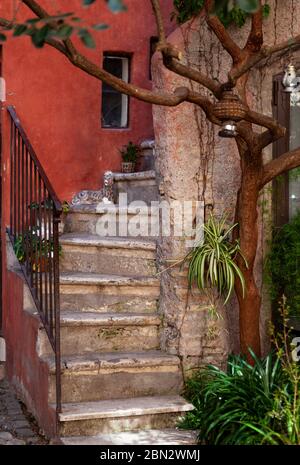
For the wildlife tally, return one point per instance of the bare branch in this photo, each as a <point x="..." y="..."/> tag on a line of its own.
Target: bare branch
<point x="220" y="31"/>
<point x="265" y="121"/>
<point x="265" y="52"/>
<point x="255" y="39"/>
<point x="280" y="165"/>
<point x="193" y="74"/>
<point x="80" y="61"/>
<point x="205" y="104"/>
<point x="159" y="21"/>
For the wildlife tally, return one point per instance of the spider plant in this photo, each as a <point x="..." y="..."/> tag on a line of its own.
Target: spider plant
<point x="212" y="262"/>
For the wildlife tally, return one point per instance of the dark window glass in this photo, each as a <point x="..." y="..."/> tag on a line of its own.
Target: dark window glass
<point x="115" y="104"/>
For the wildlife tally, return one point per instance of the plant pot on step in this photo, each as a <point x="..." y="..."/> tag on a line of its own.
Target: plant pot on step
<point x="130" y="154"/>
<point x="128" y="167"/>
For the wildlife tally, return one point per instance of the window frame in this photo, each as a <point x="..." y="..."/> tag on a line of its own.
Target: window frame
<point x="125" y="99"/>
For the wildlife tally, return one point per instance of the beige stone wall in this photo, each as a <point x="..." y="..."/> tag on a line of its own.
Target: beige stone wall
<point x="193" y="163"/>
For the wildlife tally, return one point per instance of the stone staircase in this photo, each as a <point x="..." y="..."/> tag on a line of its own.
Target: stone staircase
<point x="117" y="385"/>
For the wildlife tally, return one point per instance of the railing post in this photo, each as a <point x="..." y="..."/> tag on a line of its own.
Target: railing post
<point x="56" y="221"/>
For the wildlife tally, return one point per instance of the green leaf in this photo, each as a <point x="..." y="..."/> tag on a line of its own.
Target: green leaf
<point x="65" y="31"/>
<point x="86" y="38"/>
<point x="100" y="27"/>
<point x="19" y="29"/>
<point x="249" y="6"/>
<point x="39" y="36"/>
<point x="116" y="6"/>
<point x="2" y="37"/>
<point x="88" y="2"/>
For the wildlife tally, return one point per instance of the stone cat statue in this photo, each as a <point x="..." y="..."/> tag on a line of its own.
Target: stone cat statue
<point x="104" y="195"/>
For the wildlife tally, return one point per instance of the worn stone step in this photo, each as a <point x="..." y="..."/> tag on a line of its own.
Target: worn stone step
<point x="108" y="416"/>
<point x="139" y="186"/>
<point x="149" y="437"/>
<point x="83" y="332"/>
<point x="108" y="293"/>
<point x="120" y="256"/>
<point x="110" y="220"/>
<point x="99" y="376"/>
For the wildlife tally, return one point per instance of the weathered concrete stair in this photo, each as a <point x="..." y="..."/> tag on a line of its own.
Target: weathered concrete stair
<point x="153" y="437"/>
<point x="108" y="293"/>
<point x="89" y="332"/>
<point x="117" y="385"/>
<point x="113" y="220"/>
<point x="139" y="186"/>
<point x="107" y="416"/>
<point x="108" y="255"/>
<point x="116" y="375"/>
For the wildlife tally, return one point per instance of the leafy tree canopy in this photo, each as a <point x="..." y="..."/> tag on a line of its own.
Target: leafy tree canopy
<point x="64" y="25"/>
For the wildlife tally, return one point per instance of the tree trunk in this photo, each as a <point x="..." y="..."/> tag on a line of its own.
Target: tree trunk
<point x="246" y="216"/>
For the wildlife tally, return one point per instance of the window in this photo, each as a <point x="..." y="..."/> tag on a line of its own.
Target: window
<point x="115" y="104"/>
<point x="153" y="44"/>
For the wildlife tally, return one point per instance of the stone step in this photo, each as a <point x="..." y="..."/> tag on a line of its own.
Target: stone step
<point x="108" y="416"/>
<point x="120" y="256"/>
<point x="113" y="220"/>
<point x="115" y="375"/>
<point x="133" y="438"/>
<point x="108" y="293"/>
<point x="139" y="186"/>
<point x="84" y="332"/>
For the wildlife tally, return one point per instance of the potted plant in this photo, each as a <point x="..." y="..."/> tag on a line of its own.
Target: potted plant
<point x="29" y="247"/>
<point x="130" y="154"/>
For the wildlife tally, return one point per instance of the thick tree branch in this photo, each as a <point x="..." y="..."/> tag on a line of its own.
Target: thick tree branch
<point x="280" y="165"/>
<point x="80" y="61"/>
<point x="255" y="39"/>
<point x="172" y="56"/>
<point x="265" y="121"/>
<point x="220" y="31"/>
<point x="265" y="52"/>
<point x="174" y="65"/>
<point x="205" y="104"/>
<point x="159" y="21"/>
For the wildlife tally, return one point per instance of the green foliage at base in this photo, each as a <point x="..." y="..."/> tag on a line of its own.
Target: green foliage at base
<point x="247" y="404"/>
<point x="282" y="265"/>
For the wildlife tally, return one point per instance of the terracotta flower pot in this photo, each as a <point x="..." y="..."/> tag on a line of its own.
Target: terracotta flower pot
<point x="128" y="167"/>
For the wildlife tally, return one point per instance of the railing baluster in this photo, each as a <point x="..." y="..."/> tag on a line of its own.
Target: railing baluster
<point x="11" y="175"/>
<point x="41" y="245"/>
<point x="31" y="231"/>
<point x="15" y="182"/>
<point x="34" y="218"/>
<point x="23" y="222"/>
<point x="19" y="186"/>
<point x="27" y="211"/>
<point x="51" y="303"/>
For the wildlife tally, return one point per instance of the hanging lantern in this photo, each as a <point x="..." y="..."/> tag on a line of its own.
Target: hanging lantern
<point x="290" y="81"/>
<point x="229" y="110"/>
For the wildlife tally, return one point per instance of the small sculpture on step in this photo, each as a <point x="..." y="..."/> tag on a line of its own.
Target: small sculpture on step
<point x="104" y="195"/>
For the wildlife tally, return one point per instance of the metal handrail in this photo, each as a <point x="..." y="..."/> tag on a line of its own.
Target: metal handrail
<point x="35" y="212"/>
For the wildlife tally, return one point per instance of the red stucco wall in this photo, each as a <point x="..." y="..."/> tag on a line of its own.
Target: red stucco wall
<point x="60" y="106"/>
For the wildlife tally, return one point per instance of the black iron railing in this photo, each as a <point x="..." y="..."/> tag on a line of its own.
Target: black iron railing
<point x="34" y="232"/>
